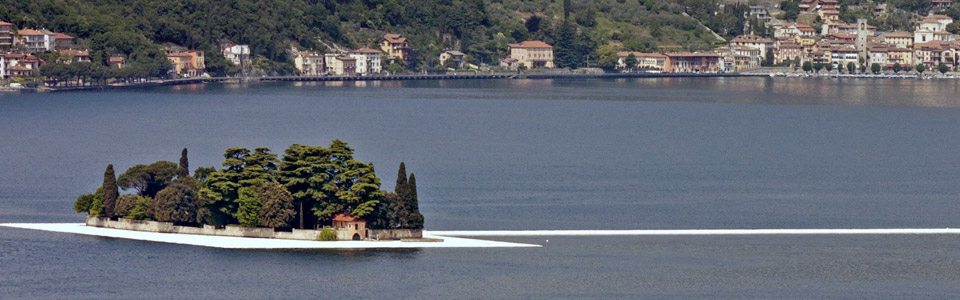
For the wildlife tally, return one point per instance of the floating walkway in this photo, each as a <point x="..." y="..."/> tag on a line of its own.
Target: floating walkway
<point x="226" y="242"/>
<point x="881" y="231"/>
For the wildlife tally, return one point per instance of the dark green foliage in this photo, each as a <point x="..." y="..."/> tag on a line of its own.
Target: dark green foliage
<point x="327" y="234"/>
<point x="401" y="177"/>
<point x="277" y="210"/>
<point x="943" y="68"/>
<point x="851" y="67"/>
<point x="110" y="191"/>
<point x="201" y="173"/>
<point x="829" y="67"/>
<point x="399" y="209"/>
<point x="921" y="68"/>
<point x="183" y="169"/>
<point x="791" y="9"/>
<point x="125" y="204"/>
<point x="90" y="203"/>
<point x="248" y="207"/>
<point x="807" y="66"/>
<point x="817" y="67"/>
<point x="897" y="68"/>
<point x="908" y="68"/>
<point x="178" y="202"/>
<point x="148" y="180"/>
<point x="631" y="61"/>
<point x="242" y="168"/>
<point x="875" y="68"/>
<point x="142" y="210"/>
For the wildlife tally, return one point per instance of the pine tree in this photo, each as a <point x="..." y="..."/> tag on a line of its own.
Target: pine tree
<point x="184" y="169"/>
<point x="110" y="191"/>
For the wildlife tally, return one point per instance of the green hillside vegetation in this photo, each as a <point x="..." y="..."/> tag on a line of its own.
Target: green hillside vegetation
<point x="138" y="29"/>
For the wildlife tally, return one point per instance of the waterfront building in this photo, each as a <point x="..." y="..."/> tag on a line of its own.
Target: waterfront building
<point x="788" y="52"/>
<point x="21" y="65"/>
<point x="898" y="39"/>
<point x="929" y="53"/>
<point x="341" y="65"/>
<point x="6" y="34"/>
<point x="395" y="46"/>
<point x="693" y="62"/>
<point x="645" y="61"/>
<point x="902" y="56"/>
<point x="63" y="41"/>
<point x="236" y="54"/>
<point x="186" y="63"/>
<point x="72" y="56"/>
<point x="878" y="54"/>
<point x="309" y="63"/>
<point x="367" y="61"/>
<point x="31" y="40"/>
<point x="117" y="61"/>
<point x="456" y="58"/>
<point x="349" y="228"/>
<point x="748" y="40"/>
<point x="532" y="54"/>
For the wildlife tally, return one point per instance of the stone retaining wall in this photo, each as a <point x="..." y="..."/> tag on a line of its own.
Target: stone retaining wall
<point x="394" y="234"/>
<point x="238" y="231"/>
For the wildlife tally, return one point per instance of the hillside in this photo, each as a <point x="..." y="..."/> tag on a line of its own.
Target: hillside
<point x="481" y="28"/>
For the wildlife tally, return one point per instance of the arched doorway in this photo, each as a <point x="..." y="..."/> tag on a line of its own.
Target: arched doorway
<point x="356" y="236"/>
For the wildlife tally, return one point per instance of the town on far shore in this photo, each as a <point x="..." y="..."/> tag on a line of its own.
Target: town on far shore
<point x="815" y="39"/>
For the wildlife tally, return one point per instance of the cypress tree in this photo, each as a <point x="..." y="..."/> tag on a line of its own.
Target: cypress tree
<point x="184" y="169"/>
<point x="110" y="191"/>
<point x="401" y="179"/>
<point x="412" y="191"/>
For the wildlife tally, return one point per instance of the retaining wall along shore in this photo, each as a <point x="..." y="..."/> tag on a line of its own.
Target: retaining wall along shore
<point x="236" y="231"/>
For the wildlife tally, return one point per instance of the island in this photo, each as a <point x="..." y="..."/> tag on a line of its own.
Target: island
<point x="310" y="193"/>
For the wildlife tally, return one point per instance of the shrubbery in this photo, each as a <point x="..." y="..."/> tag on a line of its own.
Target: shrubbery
<point x="327" y="234"/>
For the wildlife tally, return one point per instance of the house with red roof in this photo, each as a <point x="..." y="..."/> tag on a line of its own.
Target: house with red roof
<point x="395" y="46"/>
<point x="532" y="54"/>
<point x="349" y="227"/>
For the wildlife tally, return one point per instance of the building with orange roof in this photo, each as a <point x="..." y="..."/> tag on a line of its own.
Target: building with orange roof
<point x="117" y="61"/>
<point x="21" y="65"/>
<point x="748" y="40"/>
<point x="75" y="55"/>
<point x="340" y="64"/>
<point x="63" y="41"/>
<point x="349" y="227"/>
<point x="645" y="61"/>
<point x="6" y="34"/>
<point x="395" y="46"/>
<point x="532" y="54"/>
<point x="898" y="39"/>
<point x="186" y="63"/>
<point x="32" y="40"/>
<point x="693" y="62"/>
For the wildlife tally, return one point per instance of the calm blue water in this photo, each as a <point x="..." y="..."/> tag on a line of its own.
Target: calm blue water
<point x="537" y="154"/>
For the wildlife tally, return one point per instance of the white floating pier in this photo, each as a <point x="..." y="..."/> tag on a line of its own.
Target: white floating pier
<point x="260" y="243"/>
<point x="865" y="231"/>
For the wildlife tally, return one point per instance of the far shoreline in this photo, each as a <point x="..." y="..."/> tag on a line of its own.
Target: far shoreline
<point x="779" y="72"/>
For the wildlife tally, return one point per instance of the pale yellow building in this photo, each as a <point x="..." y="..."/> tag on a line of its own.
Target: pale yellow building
<point x="532" y="54"/>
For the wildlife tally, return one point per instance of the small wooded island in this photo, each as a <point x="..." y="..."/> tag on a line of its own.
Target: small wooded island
<point x="255" y="194"/>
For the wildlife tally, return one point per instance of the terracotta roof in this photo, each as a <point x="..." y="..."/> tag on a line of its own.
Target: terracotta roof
<point x="117" y="59"/>
<point x="749" y="38"/>
<point x="640" y="54"/>
<point x="346" y="218"/>
<point x="843" y="36"/>
<point x="61" y="36"/>
<point x="940" y="17"/>
<point x="4" y="23"/>
<point x="900" y="34"/>
<point x="366" y="50"/>
<point x="28" y="32"/>
<point x="531" y="44"/>
<point x="691" y="54"/>
<point x="75" y="52"/>
<point x="394" y="38"/>
<point x="805" y="27"/>
<point x="509" y="60"/>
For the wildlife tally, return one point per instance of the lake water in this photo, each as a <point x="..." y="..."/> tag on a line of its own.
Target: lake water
<point x="521" y="154"/>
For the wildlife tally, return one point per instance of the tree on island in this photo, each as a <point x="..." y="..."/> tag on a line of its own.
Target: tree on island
<point x="401" y="208"/>
<point x="110" y="191"/>
<point x="90" y="203"/>
<point x="277" y="209"/>
<point x="148" y="180"/>
<point x="242" y="168"/>
<point x="248" y="207"/>
<point x="183" y="169"/>
<point x="875" y="68"/>
<point x="178" y="203"/>
<point x="897" y="68"/>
